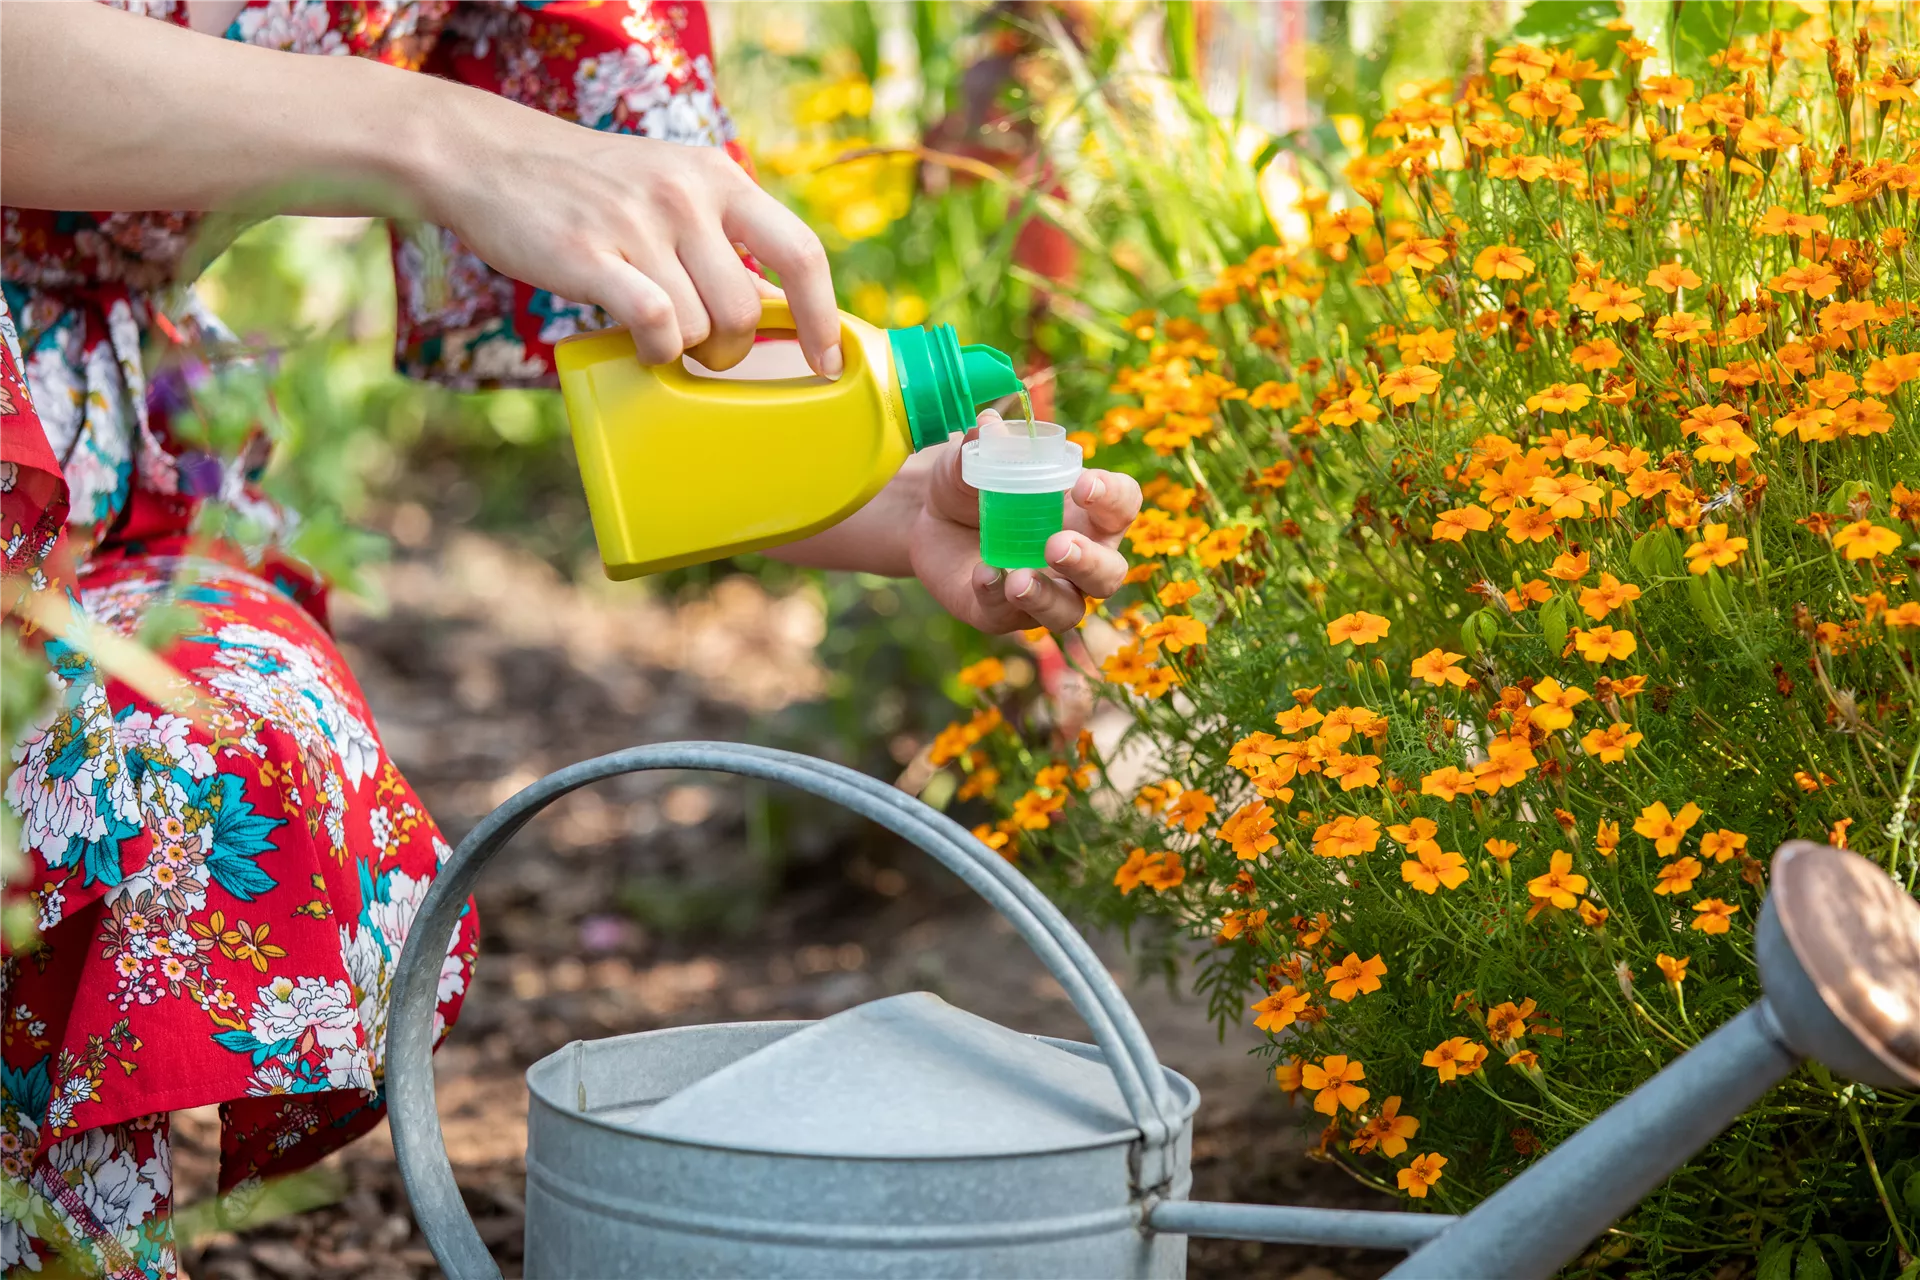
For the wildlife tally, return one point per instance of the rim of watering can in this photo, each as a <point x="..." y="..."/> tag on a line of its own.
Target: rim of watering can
<point x="1186" y="1096"/>
<point x="418" y="1141"/>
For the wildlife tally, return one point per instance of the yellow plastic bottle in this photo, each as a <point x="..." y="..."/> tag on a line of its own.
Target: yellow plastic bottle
<point x="682" y="467"/>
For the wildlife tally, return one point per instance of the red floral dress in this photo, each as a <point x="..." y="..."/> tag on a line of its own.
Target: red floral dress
<point x="223" y="861"/>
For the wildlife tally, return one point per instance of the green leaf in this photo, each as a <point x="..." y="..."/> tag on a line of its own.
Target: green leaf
<point x="1481" y="626"/>
<point x="1911" y="1194"/>
<point x="1553" y="623"/>
<point x="1657" y="553"/>
<point x="1557" y="21"/>
<point x="1811" y="1265"/>
<point x="1776" y="1260"/>
<point x="1842" y="497"/>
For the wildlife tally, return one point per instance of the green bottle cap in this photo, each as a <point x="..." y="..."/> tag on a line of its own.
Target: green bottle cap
<point x="942" y="382"/>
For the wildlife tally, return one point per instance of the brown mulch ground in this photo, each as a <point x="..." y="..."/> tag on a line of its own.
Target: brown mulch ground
<point x="660" y="900"/>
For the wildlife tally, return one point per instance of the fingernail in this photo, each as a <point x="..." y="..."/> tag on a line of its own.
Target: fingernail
<point x="986" y="577"/>
<point x="1027" y="590"/>
<point x="832" y="363"/>
<point x="1095" y="487"/>
<point x="1067" y="557"/>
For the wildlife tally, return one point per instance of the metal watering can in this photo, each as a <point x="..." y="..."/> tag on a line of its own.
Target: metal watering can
<point x="907" y="1138"/>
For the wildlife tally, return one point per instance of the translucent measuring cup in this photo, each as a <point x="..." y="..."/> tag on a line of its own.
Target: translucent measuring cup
<point x="1023" y="477"/>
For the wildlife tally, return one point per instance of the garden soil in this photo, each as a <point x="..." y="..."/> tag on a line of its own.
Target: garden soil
<point x="664" y="900"/>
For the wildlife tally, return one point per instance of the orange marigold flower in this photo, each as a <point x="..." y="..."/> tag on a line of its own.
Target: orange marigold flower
<point x="1296" y="718"/>
<point x="1448" y="783"/>
<point x="1455" y="525"/>
<point x="1455" y="1058"/>
<point x="1439" y="667"/>
<point x="1409" y="382"/>
<point x="1388" y="1132"/>
<point x="1666" y="829"/>
<point x="1865" y="540"/>
<point x="1352" y="771"/>
<point x="1502" y="262"/>
<point x="1868" y="417"/>
<point x="1722" y="844"/>
<point x="1175" y="594"/>
<point x="1430" y="868"/>
<point x="1597" y="355"/>
<point x="1672" y="276"/>
<point x="1282" y="1009"/>
<point x="1678" y="876"/>
<point x="983" y="674"/>
<point x="1359" y="627"/>
<point x="1525" y="1059"/>
<point x="1609" y="300"/>
<point x="1903" y="615"/>
<point x="1560" y="886"/>
<point x="1715" y="549"/>
<point x="1681" y="327"/>
<point x="1221" y="546"/>
<point x="995" y="839"/>
<point x="1713" y="915"/>
<point x="1816" y="280"/>
<point x="1843" y="317"/>
<point x="1034" y="811"/>
<point x="1288" y="1076"/>
<point x="1421" y="1173"/>
<point x="1274" y="395"/>
<point x="1346" y="836"/>
<point x="1507" y="1022"/>
<point x="1250" y="830"/>
<point x="1334" y="1080"/>
<point x="1611" y="743"/>
<point x="1556" y="704"/>
<point x="1530" y="524"/>
<point x="1354" y="976"/>
<point x="1502" y="851"/>
<point x="1598" y="602"/>
<point x="1598" y="644"/>
<point x="1569" y="566"/>
<point x="1176" y="631"/>
<point x="1561" y="397"/>
<point x="1675" y="969"/>
<point x="1191" y="810"/>
<point x="1780" y="221"/>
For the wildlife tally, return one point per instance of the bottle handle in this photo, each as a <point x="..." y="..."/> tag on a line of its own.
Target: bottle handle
<point x="775" y="313"/>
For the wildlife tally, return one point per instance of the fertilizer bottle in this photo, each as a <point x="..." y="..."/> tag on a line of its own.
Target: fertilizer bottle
<point x="683" y="464"/>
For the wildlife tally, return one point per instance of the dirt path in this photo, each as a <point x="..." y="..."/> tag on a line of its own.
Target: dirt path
<point x="496" y="670"/>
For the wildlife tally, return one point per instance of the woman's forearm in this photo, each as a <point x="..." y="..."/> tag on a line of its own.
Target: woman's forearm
<point x="174" y="120"/>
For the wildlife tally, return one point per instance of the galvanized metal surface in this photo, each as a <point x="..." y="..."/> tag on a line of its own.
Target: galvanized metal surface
<point x="1157" y="1158"/>
<point x="1298" y="1224"/>
<point x="607" y="1185"/>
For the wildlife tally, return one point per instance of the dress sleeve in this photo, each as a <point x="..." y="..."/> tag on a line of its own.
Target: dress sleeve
<point x="637" y="68"/>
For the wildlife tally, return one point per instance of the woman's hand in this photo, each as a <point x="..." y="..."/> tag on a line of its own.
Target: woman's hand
<point x="1083" y="559"/>
<point x="927" y="523"/>
<point x="646" y="230"/>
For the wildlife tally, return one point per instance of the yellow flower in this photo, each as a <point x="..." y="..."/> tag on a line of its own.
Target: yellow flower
<point x="1864" y="540"/>
<point x="1675" y="970"/>
<point x="1501" y="851"/>
<point x="1175" y="594"/>
<point x="1556" y="704"/>
<point x="1249" y="831"/>
<point x="1448" y="783"/>
<point x="995" y="839"/>
<point x="1158" y="871"/>
<point x="1430" y="868"/>
<point x="1454" y="1058"/>
<point x="1361" y="628"/>
<point x="1438" y="667"/>
<point x="1611" y="743"/>
<point x="1334" y="1081"/>
<point x="1034" y="811"/>
<point x="1561" y="397"/>
<point x="1722" y="844"/>
<point x="1346" y="837"/>
<point x="1678" y="876"/>
<point x="1597" y="355"/>
<point x="1352" y="771"/>
<point x="1502" y="261"/>
<point x="1190" y="811"/>
<point x="1221" y="546"/>
<point x="1712" y="915"/>
<point x="1666" y="829"/>
<point x="1176" y="631"/>
<point x="1570" y="567"/>
<point x="1421" y="1173"/>
<point x="1606" y="838"/>
<point x="1530" y="524"/>
<point x="1296" y="718"/>
<point x="1354" y="976"/>
<point x="1288" y="1076"/>
<point x="1598" y="602"/>
<point x="1715" y="549"/>
<point x="1281" y="1009"/>
<point x="1598" y="644"/>
<point x="1559" y="886"/>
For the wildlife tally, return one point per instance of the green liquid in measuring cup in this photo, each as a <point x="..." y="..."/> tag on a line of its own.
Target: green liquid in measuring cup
<point x="1026" y="407"/>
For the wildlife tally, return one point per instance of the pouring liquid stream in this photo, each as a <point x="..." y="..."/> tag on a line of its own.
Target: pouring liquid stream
<point x="1026" y="408"/>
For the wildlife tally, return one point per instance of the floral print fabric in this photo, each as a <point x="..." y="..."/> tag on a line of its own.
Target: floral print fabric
<point x="224" y="876"/>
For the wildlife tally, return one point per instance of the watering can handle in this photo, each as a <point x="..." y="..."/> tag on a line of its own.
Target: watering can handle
<point x="417" y="1139"/>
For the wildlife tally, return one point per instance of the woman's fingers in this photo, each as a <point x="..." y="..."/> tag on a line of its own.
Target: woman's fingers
<point x="1051" y="602"/>
<point x="1104" y="504"/>
<point x="632" y="298"/>
<point x="1095" y="569"/>
<point x="773" y="234"/>
<point x="726" y="293"/>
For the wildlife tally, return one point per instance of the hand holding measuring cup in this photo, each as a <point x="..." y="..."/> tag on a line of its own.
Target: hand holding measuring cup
<point x="1079" y="561"/>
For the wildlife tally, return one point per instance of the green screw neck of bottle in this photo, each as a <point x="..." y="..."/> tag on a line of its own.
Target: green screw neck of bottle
<point x="942" y="383"/>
